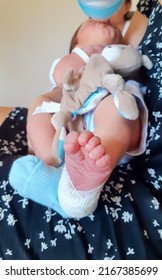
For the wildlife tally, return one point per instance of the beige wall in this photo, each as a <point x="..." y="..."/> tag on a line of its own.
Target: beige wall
<point x="32" y="34"/>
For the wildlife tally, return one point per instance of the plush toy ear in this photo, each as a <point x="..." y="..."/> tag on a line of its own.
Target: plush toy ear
<point x="147" y="62"/>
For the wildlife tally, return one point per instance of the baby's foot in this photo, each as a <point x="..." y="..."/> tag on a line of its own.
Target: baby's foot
<point x="86" y="160"/>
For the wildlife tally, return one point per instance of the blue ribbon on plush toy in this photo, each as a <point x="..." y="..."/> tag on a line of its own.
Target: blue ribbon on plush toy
<point x="99" y="9"/>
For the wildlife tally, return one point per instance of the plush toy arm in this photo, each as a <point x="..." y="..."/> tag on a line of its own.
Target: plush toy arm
<point x="112" y="82"/>
<point x="124" y="101"/>
<point x="62" y="119"/>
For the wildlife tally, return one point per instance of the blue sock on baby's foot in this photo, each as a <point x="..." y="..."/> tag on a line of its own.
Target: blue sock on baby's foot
<point x="33" y="179"/>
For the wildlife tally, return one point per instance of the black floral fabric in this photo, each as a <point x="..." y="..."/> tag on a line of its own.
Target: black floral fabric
<point x="127" y="223"/>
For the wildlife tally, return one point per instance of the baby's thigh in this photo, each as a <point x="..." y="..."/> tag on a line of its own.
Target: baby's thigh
<point x="105" y="110"/>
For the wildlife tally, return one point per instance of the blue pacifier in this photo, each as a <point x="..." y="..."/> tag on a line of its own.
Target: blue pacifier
<point x="99" y="9"/>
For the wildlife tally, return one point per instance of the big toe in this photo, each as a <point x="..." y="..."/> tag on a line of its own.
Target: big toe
<point x="71" y="144"/>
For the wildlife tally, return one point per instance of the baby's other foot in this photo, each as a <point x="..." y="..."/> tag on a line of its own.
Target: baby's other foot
<point x="86" y="160"/>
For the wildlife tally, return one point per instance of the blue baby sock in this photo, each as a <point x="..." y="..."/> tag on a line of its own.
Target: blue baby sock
<point x="34" y="180"/>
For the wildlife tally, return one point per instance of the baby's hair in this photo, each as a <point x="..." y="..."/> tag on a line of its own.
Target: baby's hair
<point x="74" y="40"/>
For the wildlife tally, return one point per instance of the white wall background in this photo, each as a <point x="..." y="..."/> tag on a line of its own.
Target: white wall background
<point x="32" y="34"/>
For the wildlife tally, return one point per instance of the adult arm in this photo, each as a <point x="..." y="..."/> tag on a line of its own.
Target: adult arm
<point x="136" y="29"/>
<point x="4" y="111"/>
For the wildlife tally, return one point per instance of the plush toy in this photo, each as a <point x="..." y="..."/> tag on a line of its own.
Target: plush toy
<point x="102" y="75"/>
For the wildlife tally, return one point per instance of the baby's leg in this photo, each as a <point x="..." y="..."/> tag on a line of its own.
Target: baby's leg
<point x="87" y="167"/>
<point x="117" y="134"/>
<point x="90" y="158"/>
<point x="40" y="131"/>
<point x="86" y="160"/>
<point x="40" y="136"/>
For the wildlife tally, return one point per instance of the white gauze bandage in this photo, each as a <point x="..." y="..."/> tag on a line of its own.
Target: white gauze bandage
<point x="76" y="204"/>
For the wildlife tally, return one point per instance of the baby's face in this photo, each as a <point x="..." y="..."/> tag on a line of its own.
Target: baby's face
<point x="98" y="32"/>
